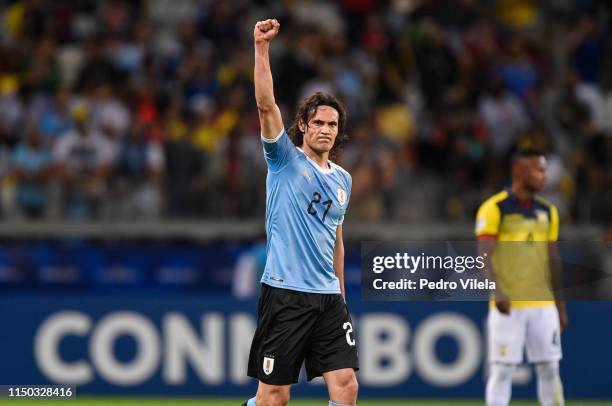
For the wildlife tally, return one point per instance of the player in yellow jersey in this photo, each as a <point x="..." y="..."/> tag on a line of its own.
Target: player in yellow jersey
<point x="518" y="231"/>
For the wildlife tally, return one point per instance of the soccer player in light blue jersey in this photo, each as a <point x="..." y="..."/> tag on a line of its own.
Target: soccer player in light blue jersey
<point x="303" y="317"/>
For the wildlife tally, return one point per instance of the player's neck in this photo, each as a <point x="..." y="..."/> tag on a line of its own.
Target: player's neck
<point x="522" y="193"/>
<point x="321" y="159"/>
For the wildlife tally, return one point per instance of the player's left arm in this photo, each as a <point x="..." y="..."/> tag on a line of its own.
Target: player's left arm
<point x="339" y="260"/>
<point x="554" y="261"/>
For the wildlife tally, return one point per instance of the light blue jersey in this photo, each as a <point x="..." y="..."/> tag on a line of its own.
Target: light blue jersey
<point x="305" y="204"/>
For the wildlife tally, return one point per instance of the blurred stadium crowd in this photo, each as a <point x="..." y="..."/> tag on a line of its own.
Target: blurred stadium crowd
<point x="125" y="109"/>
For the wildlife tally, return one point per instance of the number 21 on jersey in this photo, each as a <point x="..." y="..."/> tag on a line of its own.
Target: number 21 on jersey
<point x="316" y="200"/>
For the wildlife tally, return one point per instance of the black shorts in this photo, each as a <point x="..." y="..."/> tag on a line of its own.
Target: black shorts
<point x="294" y="327"/>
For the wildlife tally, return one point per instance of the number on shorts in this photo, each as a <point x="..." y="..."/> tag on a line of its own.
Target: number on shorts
<point x="349" y="339"/>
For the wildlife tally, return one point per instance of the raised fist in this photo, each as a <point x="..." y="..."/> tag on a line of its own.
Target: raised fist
<point x="265" y="30"/>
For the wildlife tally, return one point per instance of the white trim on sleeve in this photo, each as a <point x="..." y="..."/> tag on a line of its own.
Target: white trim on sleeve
<point x="273" y="140"/>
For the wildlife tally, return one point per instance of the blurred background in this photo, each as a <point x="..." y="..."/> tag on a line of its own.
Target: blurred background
<point x="132" y="179"/>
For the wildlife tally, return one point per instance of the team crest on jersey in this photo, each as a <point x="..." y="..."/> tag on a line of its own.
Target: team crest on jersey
<point x="341" y="196"/>
<point x="268" y="365"/>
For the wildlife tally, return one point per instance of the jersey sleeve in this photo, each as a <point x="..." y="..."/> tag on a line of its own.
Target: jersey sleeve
<point x="488" y="220"/>
<point x="278" y="151"/>
<point x="553" y="232"/>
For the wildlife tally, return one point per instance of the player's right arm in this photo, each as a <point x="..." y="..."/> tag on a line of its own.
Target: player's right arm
<point x="487" y="228"/>
<point x="269" y="114"/>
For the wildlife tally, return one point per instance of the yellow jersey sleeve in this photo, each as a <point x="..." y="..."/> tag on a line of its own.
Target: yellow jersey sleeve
<point x="553" y="232"/>
<point x="488" y="219"/>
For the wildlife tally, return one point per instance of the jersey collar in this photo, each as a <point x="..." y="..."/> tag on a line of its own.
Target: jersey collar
<point x="521" y="203"/>
<point x="313" y="163"/>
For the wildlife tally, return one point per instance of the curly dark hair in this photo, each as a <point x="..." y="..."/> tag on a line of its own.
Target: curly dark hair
<point x="307" y="109"/>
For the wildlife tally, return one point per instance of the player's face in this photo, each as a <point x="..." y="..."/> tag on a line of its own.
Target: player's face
<point x="321" y="131"/>
<point x="535" y="173"/>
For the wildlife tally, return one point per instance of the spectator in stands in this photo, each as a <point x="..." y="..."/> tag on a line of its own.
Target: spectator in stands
<point x="42" y="71"/>
<point x="32" y="172"/>
<point x="84" y="158"/>
<point x="108" y="112"/>
<point x="186" y="185"/>
<point x="589" y="44"/>
<point x="518" y="70"/>
<point x="56" y="118"/>
<point x="242" y="174"/>
<point x="504" y="117"/>
<point x="12" y="112"/>
<point x="436" y="62"/>
<point x="373" y="164"/>
<point x="138" y="171"/>
<point x="97" y="68"/>
<point x="198" y="78"/>
<point x="6" y="191"/>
